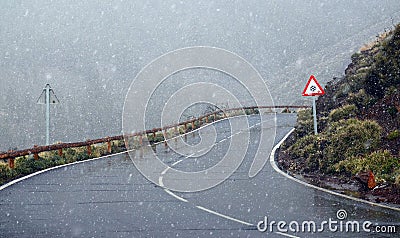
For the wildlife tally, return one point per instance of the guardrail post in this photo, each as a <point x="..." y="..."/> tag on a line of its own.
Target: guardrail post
<point x="140" y="139"/>
<point x="165" y="138"/>
<point x="109" y="147"/>
<point x="206" y="119"/>
<point x="89" y="149"/>
<point x="192" y="125"/>
<point x="35" y="155"/>
<point x="11" y="163"/>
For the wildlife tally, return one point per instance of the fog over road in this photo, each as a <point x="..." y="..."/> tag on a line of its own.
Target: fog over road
<point x="90" y="52"/>
<point x="110" y="198"/>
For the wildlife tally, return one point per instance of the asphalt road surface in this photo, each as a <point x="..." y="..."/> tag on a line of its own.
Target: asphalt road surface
<point x="109" y="197"/>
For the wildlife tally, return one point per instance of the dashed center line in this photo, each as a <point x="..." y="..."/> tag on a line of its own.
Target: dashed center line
<point x="200" y="207"/>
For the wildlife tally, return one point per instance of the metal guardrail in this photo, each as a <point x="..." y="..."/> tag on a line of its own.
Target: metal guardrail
<point x="11" y="155"/>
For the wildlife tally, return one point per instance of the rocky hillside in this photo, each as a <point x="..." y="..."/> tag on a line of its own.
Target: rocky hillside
<point x="372" y="84"/>
<point x="358" y="117"/>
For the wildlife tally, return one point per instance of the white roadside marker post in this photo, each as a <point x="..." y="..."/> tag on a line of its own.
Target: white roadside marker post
<point x="47" y="97"/>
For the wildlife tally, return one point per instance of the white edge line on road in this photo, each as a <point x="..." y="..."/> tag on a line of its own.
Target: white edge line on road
<point x="199" y="207"/>
<point x="287" y="235"/>
<point x="177" y="162"/>
<point x="224" y="216"/>
<point x="273" y="164"/>
<point x="175" y="196"/>
<point x="57" y="167"/>
<point x="123" y="152"/>
<point x="160" y="181"/>
<point x="101" y="157"/>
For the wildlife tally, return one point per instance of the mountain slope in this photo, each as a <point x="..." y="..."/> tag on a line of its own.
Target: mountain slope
<point x="358" y="119"/>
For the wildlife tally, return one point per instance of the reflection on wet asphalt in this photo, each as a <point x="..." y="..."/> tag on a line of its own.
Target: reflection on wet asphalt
<point x="110" y="198"/>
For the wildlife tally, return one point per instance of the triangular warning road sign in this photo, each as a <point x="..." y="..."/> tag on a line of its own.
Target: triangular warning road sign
<point x="313" y="88"/>
<point x="52" y="96"/>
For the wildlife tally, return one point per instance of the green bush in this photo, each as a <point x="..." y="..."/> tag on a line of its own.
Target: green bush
<point x="305" y="123"/>
<point x="392" y="110"/>
<point x="384" y="72"/>
<point x="252" y="111"/>
<point x="348" y="138"/>
<point x="304" y="147"/>
<point x="27" y="164"/>
<point x="343" y="139"/>
<point x="393" y="135"/>
<point x="360" y="99"/>
<point x="344" y="112"/>
<point x="6" y="174"/>
<point x="381" y="163"/>
<point x="304" y="115"/>
<point x="397" y="181"/>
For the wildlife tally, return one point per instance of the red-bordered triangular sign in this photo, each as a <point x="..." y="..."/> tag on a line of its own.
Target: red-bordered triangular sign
<point x="313" y="88"/>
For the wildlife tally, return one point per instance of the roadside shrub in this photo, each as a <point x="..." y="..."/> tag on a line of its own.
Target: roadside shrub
<point x="304" y="123"/>
<point x="304" y="115"/>
<point x="252" y="111"/>
<point x="381" y="163"/>
<point x="343" y="139"/>
<point x="393" y="135"/>
<point x="344" y="112"/>
<point x="27" y="164"/>
<point x="304" y="147"/>
<point x="392" y="110"/>
<point x="359" y="99"/>
<point x="6" y="174"/>
<point x="348" y="138"/>
<point x="119" y="146"/>
<point x="398" y="178"/>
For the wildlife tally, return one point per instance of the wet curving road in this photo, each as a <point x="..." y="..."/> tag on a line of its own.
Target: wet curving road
<point x="109" y="197"/>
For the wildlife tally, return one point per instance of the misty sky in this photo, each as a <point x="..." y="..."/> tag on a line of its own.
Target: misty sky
<point x="90" y="51"/>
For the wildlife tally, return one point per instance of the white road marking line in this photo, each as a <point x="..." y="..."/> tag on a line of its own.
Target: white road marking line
<point x="208" y="210"/>
<point x="57" y="167"/>
<point x="284" y="234"/>
<point x="188" y="156"/>
<point x="276" y="168"/>
<point x="164" y="171"/>
<point x="224" y="216"/>
<point x="199" y="207"/>
<point x="175" y="196"/>
<point x="177" y="162"/>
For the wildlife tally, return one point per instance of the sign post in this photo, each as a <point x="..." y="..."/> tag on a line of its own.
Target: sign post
<point x="314" y="109"/>
<point x="313" y="89"/>
<point x="48" y="97"/>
